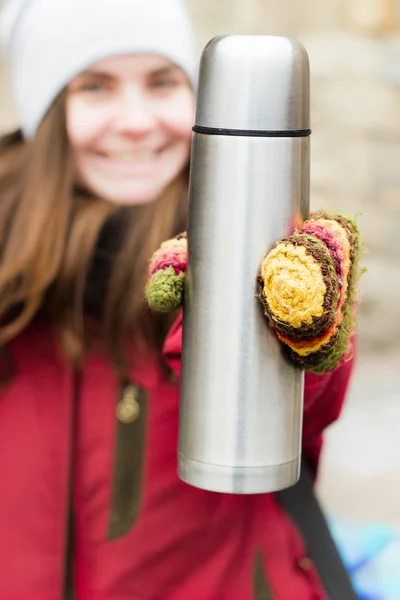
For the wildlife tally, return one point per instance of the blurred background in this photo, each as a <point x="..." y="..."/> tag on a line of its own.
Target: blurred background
<point x="354" y="50"/>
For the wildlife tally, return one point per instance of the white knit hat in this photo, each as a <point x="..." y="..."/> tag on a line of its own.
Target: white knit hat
<point x="51" y="41"/>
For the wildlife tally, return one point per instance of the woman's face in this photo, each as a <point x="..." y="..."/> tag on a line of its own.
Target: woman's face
<point x="129" y="122"/>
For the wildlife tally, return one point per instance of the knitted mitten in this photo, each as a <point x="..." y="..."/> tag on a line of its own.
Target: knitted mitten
<point x="166" y="281"/>
<point x="307" y="285"/>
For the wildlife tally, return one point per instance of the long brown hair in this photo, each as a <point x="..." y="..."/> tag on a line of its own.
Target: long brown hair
<point x="48" y="235"/>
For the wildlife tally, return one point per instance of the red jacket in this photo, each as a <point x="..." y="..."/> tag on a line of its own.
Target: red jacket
<point x="139" y="533"/>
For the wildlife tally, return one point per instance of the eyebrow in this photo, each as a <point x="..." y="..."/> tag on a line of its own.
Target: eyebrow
<point x="165" y="70"/>
<point x="157" y="72"/>
<point x="94" y="73"/>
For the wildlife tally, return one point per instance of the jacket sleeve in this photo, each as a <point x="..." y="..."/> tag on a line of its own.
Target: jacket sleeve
<point x="324" y="396"/>
<point x="172" y="350"/>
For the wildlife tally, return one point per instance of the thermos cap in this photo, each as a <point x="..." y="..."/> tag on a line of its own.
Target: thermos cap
<point x="274" y="70"/>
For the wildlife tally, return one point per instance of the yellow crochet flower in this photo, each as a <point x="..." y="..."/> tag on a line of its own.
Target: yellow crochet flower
<point x="294" y="286"/>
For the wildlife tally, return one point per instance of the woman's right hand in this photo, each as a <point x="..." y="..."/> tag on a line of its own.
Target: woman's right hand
<point x="167" y="272"/>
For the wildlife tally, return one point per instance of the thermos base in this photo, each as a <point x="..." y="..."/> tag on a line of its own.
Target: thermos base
<point x="239" y="480"/>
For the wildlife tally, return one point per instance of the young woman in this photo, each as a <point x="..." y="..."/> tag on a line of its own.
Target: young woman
<point x="90" y="503"/>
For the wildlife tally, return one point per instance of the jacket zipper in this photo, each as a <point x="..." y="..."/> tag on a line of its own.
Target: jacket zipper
<point x="131" y="427"/>
<point x="69" y="579"/>
<point x="261" y="588"/>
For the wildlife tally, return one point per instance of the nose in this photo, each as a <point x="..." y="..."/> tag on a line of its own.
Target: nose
<point x="134" y="113"/>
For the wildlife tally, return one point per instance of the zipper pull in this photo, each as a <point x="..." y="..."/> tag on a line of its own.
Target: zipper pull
<point x="128" y="408"/>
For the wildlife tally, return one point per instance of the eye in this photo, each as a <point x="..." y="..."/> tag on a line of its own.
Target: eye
<point x="92" y="87"/>
<point x="90" y="84"/>
<point x="165" y="83"/>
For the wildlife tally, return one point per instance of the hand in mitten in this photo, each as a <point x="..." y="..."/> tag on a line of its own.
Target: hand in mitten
<point x="167" y="271"/>
<point x="307" y="285"/>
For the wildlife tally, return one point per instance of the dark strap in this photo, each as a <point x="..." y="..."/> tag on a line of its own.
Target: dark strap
<point x="302" y="505"/>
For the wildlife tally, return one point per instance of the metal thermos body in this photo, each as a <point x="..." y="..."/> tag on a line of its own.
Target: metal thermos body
<point x="241" y="400"/>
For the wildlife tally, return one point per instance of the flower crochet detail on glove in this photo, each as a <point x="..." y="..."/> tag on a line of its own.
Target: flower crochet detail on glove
<point x="306" y="284"/>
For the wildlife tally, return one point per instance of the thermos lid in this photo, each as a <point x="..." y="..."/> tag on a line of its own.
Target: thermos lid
<point x="252" y="83"/>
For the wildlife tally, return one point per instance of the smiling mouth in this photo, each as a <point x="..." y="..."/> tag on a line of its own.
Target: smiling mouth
<point x="132" y="157"/>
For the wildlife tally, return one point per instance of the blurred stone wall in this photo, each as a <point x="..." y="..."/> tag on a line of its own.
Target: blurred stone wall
<point x="354" y="49"/>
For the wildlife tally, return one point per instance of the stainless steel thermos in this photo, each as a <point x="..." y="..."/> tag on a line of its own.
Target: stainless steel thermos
<point x="241" y="400"/>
